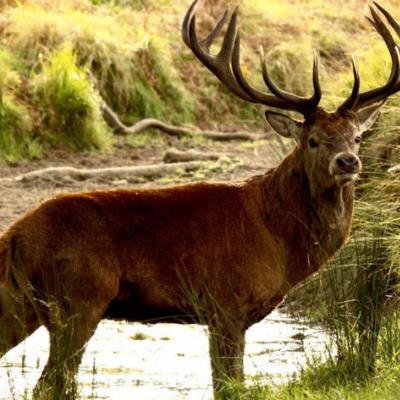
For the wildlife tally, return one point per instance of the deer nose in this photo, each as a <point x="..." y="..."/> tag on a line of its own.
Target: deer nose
<point x="348" y="162"/>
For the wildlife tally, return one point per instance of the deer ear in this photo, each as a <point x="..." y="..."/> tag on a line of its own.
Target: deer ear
<point x="284" y="125"/>
<point x="367" y="116"/>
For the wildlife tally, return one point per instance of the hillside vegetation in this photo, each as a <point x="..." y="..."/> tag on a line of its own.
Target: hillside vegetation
<point x="57" y="57"/>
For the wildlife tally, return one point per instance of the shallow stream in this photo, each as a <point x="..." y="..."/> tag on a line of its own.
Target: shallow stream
<point x="164" y="361"/>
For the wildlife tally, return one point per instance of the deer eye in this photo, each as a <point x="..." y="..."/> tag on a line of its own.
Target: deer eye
<point x="358" y="139"/>
<point x="313" y="143"/>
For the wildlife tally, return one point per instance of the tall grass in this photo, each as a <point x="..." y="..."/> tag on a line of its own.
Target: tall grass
<point x="70" y="107"/>
<point x="132" y="65"/>
<point x="124" y="48"/>
<point x="16" y="127"/>
<point x="16" y="138"/>
<point x="356" y="299"/>
<point x="356" y="296"/>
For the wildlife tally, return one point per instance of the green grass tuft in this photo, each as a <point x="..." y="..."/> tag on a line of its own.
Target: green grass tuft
<point x="16" y="138"/>
<point x="16" y="128"/>
<point x="70" y="107"/>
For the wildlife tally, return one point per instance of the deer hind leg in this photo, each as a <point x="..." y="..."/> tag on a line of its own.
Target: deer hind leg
<point x="18" y="320"/>
<point x="67" y="344"/>
<point x="227" y="344"/>
<point x="69" y="335"/>
<point x="75" y="304"/>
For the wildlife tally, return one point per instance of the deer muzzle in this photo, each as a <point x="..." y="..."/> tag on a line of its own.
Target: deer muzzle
<point x="345" y="167"/>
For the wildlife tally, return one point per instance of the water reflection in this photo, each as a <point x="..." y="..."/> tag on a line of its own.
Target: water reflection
<point x="163" y="361"/>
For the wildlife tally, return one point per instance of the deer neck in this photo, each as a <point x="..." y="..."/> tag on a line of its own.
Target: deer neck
<point x="312" y="226"/>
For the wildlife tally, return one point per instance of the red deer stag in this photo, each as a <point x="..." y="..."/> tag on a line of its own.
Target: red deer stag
<point x="222" y="254"/>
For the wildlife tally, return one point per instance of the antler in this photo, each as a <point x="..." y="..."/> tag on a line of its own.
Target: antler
<point x="358" y="100"/>
<point x="226" y="66"/>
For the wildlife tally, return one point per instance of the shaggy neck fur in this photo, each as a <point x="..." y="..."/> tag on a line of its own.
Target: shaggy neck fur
<point x="311" y="227"/>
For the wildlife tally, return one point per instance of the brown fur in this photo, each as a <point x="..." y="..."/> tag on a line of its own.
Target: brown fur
<point x="223" y="254"/>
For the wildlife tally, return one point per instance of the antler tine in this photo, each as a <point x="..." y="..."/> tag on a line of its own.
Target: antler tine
<point x="208" y="41"/>
<point x="229" y="39"/>
<point x="263" y="98"/>
<point x="219" y="66"/>
<point x="226" y="65"/>
<point x="350" y="103"/>
<point x="393" y="83"/>
<point x="281" y="99"/>
<point x="310" y="103"/>
<point x="394" y="24"/>
<point x="186" y="23"/>
<point x="316" y="84"/>
<point x="267" y="78"/>
<point x="387" y="37"/>
<point x="371" y="21"/>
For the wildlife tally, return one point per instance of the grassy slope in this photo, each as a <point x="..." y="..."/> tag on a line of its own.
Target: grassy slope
<point x="321" y="384"/>
<point x="134" y="51"/>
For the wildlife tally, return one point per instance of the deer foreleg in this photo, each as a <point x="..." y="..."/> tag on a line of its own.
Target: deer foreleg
<point x="226" y="354"/>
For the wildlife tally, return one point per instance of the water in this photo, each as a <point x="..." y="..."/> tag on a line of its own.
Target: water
<point x="164" y="361"/>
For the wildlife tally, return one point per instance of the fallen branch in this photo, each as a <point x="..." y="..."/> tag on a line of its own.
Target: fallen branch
<point x="83" y="173"/>
<point x="120" y="128"/>
<point x="173" y="156"/>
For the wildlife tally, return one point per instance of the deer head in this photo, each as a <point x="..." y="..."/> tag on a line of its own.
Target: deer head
<point x="329" y="140"/>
